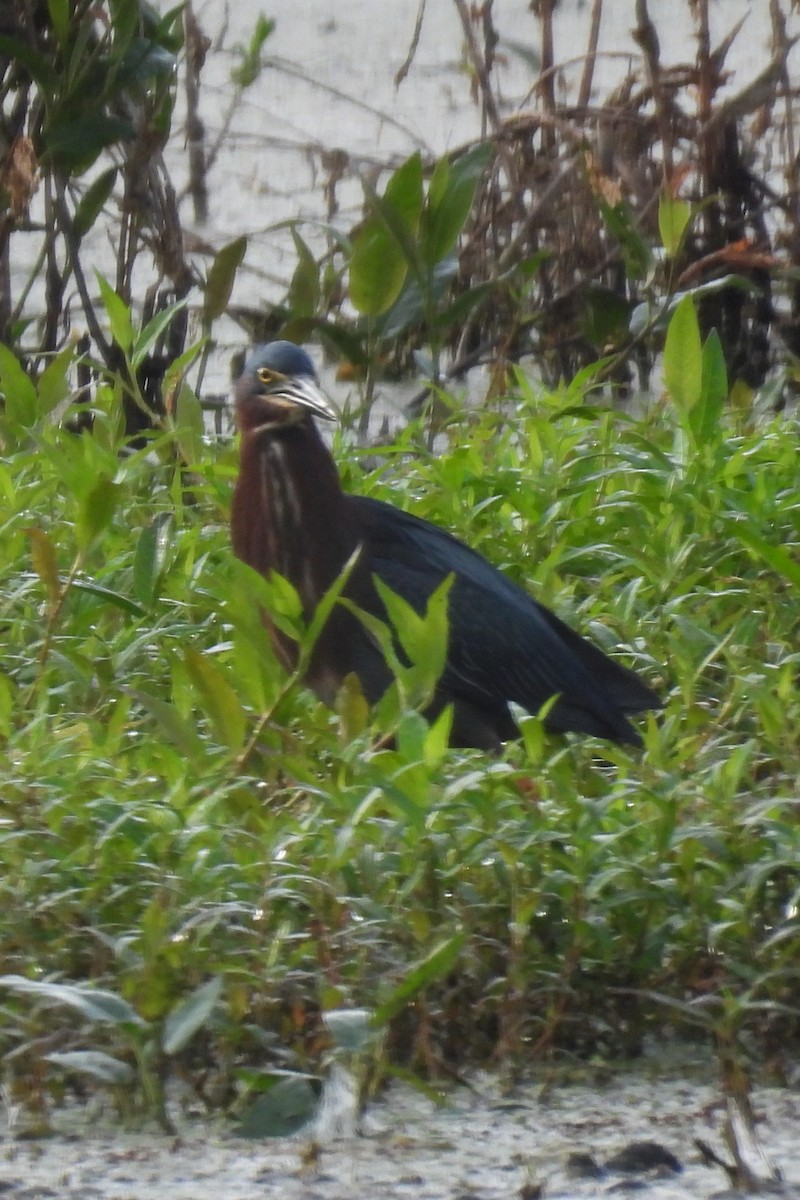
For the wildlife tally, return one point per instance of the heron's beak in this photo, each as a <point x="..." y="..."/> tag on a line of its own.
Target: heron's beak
<point x="304" y="392"/>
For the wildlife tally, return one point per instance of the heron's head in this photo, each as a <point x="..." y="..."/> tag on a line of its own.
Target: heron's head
<point x="278" y="388"/>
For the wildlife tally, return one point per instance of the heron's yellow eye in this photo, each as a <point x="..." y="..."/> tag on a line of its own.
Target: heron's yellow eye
<point x="265" y="375"/>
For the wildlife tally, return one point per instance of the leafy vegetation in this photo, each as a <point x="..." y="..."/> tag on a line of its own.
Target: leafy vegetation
<point x="234" y="865"/>
<point x="205" y="872"/>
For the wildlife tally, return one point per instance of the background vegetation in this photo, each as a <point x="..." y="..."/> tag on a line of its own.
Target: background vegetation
<point x="205" y="872"/>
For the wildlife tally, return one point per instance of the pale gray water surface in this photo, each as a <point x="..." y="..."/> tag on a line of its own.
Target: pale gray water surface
<point x="480" y="1145"/>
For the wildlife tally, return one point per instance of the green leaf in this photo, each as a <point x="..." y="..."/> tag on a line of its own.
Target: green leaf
<point x="75" y="143"/>
<point x="324" y="608"/>
<point x="779" y="559"/>
<point x="125" y="18"/>
<point x="150" y="556"/>
<point x="95" y="1004"/>
<point x="606" y="316"/>
<point x="683" y="359"/>
<point x="189" y="424"/>
<point x="673" y="218"/>
<point x="59" y="18"/>
<point x="118" y="313"/>
<point x="7" y="698"/>
<point x="153" y="330"/>
<point x="289" y="1106"/>
<point x="37" y="65"/>
<point x="220" y="279"/>
<point x="423" y="639"/>
<point x="144" y="560"/>
<point x="383" y="249"/>
<point x="635" y="250"/>
<point x="217" y="699"/>
<point x="45" y="562"/>
<point x="171" y="724"/>
<point x="96" y="511"/>
<point x="450" y="196"/>
<point x="378" y="269"/>
<point x="706" y="415"/>
<point x="403" y="196"/>
<point x="304" y="290"/>
<point x="190" y="1016"/>
<point x="352" y="708"/>
<point x="95" y="1063"/>
<point x="19" y="392"/>
<point x="437" y="738"/>
<point x="108" y="594"/>
<point x="431" y="969"/>
<point x="250" y="68"/>
<point x="54" y="382"/>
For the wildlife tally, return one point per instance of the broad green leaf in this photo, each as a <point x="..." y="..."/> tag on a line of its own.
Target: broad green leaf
<point x="683" y="359"/>
<point x="54" y="382"/>
<point x="423" y="638"/>
<point x="92" y="202"/>
<point x="437" y="738"/>
<point x="190" y="1016"/>
<point x="125" y="18"/>
<point x="706" y="415"/>
<point x="150" y="556"/>
<point x="118" y="313"/>
<point x="75" y="143"/>
<point x="95" y="1063"/>
<point x="403" y="194"/>
<point x="288" y="1107"/>
<point x="96" y="511"/>
<point x="146" y="339"/>
<point x="431" y="969"/>
<point x="673" y="217"/>
<point x="221" y="276"/>
<point x="19" y="392"/>
<point x="378" y="268"/>
<point x="37" y="65"/>
<point x="217" y="699"/>
<point x="352" y="708"/>
<point x="190" y="425"/>
<point x="59" y="18"/>
<point x="144" y="564"/>
<point x="45" y="562"/>
<point x="304" y="290"/>
<point x="94" y="1004"/>
<point x="108" y="594"/>
<point x="383" y="249"/>
<point x="450" y="196"/>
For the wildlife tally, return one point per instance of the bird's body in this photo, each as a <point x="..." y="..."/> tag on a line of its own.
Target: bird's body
<point x="290" y="515"/>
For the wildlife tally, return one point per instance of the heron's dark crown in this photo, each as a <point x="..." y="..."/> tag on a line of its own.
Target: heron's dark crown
<point x="283" y="357"/>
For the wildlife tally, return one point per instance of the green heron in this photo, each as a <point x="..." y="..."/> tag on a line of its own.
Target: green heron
<point x="291" y="516"/>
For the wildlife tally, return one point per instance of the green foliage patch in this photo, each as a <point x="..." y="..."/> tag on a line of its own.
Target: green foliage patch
<point x="184" y="829"/>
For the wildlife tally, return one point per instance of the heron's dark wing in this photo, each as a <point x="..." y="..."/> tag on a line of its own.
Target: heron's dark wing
<point x="503" y="644"/>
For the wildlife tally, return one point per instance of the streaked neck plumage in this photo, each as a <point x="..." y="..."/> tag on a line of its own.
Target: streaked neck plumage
<point x="289" y="512"/>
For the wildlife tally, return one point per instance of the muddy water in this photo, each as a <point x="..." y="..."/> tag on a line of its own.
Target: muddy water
<point x="479" y="1144"/>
